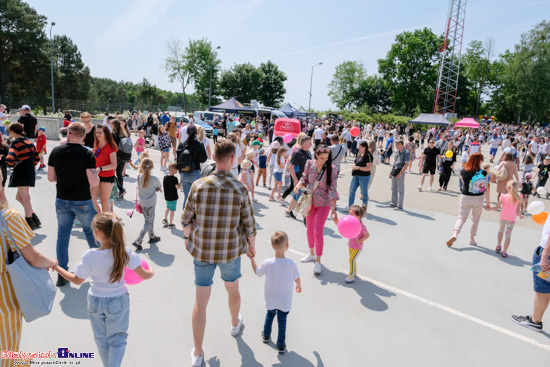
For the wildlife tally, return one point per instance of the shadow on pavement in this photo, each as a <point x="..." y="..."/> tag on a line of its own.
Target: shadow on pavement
<point x="38" y="239"/>
<point x="75" y="301"/>
<point x="330" y="232"/>
<point x="381" y="219"/>
<point x="294" y="359"/>
<point x="370" y="294"/>
<point x="417" y="215"/>
<point x="510" y="260"/>
<point x="247" y="355"/>
<point x="158" y="257"/>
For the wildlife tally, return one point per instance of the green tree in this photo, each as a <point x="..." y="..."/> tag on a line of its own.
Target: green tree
<point x="346" y="81"/>
<point x="272" y="85"/>
<point x="410" y="70"/>
<point x="241" y="81"/>
<point x="191" y="65"/>
<point x="372" y="95"/>
<point x="72" y="77"/>
<point x="24" y="65"/>
<point x="475" y="65"/>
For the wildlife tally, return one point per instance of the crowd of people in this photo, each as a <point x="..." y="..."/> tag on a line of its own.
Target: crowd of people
<point x="218" y="180"/>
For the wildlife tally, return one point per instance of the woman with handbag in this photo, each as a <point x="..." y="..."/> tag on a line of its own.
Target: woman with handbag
<point x="19" y="237"/>
<point x="319" y="178"/>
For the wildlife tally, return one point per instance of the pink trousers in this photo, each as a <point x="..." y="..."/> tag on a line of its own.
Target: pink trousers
<point x="315" y="223"/>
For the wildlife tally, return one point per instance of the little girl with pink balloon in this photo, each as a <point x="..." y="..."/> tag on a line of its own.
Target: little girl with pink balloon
<point x="351" y="227"/>
<point x="108" y="299"/>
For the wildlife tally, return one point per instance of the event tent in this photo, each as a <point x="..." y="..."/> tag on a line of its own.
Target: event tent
<point x="233" y="106"/>
<point x="292" y="112"/>
<point x="430" y="119"/>
<point x="467" y="122"/>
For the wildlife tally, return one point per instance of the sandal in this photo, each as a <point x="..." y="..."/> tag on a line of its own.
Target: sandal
<point x="498" y="249"/>
<point x="504" y="254"/>
<point x="272" y="199"/>
<point x="451" y="241"/>
<point x="473" y="243"/>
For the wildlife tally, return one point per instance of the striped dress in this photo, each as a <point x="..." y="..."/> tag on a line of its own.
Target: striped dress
<point x="10" y="315"/>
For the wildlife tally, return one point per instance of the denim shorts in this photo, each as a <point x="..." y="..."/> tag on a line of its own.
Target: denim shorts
<point x="493" y="151"/>
<point x="540" y="285"/>
<point x="165" y="150"/>
<point x="171" y="205"/>
<point x="204" y="272"/>
<point x="296" y="196"/>
<point x="278" y="176"/>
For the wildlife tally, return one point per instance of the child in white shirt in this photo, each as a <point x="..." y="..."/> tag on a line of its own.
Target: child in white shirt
<point x="280" y="273"/>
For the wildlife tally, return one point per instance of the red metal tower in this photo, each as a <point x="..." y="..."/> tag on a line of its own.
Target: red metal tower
<point x="447" y="83"/>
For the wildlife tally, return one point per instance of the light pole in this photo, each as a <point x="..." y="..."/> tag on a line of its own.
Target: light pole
<point x="210" y="87"/>
<point x="311" y="84"/>
<point x="51" y="64"/>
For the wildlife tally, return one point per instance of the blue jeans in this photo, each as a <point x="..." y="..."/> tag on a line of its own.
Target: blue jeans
<point x="359" y="181"/>
<point x="281" y="320"/>
<point x="110" y="318"/>
<point x="66" y="211"/>
<point x="187" y="180"/>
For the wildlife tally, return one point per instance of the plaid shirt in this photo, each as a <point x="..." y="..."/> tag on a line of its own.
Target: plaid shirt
<point x="220" y="214"/>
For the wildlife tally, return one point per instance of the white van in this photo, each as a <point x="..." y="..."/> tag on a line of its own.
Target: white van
<point x="207" y="116"/>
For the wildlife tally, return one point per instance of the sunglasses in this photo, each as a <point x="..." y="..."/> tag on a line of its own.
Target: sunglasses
<point x="323" y="150"/>
<point x="97" y="152"/>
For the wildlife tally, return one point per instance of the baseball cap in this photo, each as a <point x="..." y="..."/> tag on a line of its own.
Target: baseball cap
<point x="42" y="128"/>
<point x="256" y="142"/>
<point x="547" y="157"/>
<point x="26" y="107"/>
<point x="528" y="174"/>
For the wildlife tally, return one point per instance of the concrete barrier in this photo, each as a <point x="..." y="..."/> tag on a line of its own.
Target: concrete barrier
<point x="53" y="124"/>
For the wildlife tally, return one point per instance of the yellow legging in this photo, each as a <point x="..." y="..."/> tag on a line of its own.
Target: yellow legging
<point x="353" y="254"/>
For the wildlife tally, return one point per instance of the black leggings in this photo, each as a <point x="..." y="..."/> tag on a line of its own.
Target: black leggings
<point x="290" y="189"/>
<point x="445" y="175"/>
<point x="119" y="178"/>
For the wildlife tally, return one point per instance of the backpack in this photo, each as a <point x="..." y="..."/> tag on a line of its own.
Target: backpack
<point x="501" y="173"/>
<point x="125" y="145"/>
<point x="186" y="161"/>
<point x="478" y="183"/>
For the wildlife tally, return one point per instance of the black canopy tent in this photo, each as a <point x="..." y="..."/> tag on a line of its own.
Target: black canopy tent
<point x="291" y="111"/>
<point x="233" y="106"/>
<point x="431" y="119"/>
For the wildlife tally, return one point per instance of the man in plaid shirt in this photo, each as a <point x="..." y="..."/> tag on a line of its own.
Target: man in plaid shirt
<point x="219" y="226"/>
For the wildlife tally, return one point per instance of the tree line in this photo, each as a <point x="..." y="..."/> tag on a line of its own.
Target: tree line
<point x="514" y="87"/>
<point x="25" y="72"/>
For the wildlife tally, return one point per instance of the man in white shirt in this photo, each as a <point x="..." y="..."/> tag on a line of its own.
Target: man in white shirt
<point x="338" y="151"/>
<point x="318" y="135"/>
<point x="183" y="134"/>
<point x="3" y="116"/>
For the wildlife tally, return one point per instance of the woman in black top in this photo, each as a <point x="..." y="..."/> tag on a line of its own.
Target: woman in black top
<point x="199" y="154"/>
<point x="361" y="175"/>
<point x="119" y="132"/>
<point x="86" y="119"/>
<point x="447" y="164"/>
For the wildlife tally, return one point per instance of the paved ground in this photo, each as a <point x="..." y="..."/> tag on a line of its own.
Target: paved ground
<point x="416" y="302"/>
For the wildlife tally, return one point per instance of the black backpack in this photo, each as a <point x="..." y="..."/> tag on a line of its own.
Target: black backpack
<point x="186" y="160"/>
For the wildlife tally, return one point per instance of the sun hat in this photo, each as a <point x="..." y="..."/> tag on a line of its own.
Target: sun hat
<point x="246" y="164"/>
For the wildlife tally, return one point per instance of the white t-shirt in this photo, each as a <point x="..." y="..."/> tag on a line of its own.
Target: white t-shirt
<point x="494" y="143"/>
<point x="280" y="275"/>
<point x="318" y="133"/>
<point x="206" y="143"/>
<point x="506" y="143"/>
<point x="183" y="134"/>
<point x="545" y="234"/>
<point x="534" y="147"/>
<point x="97" y="265"/>
<point x="237" y="156"/>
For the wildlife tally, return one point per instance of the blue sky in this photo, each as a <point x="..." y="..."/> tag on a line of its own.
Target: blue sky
<point x="125" y="39"/>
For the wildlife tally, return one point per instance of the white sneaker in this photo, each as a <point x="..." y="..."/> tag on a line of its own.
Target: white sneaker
<point x="429" y="188"/>
<point x="308" y="258"/>
<point x="346" y="209"/>
<point x="196" y="361"/>
<point x="317" y="268"/>
<point x="349" y="280"/>
<point x="420" y="188"/>
<point x="235" y="330"/>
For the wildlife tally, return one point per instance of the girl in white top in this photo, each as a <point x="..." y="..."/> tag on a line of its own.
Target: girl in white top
<point x="278" y="173"/>
<point x="108" y="299"/>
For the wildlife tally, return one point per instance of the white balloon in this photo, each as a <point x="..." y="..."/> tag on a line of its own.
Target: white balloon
<point x="536" y="207"/>
<point x="541" y="190"/>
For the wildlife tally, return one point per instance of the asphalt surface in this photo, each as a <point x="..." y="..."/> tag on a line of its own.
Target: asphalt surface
<point x="415" y="302"/>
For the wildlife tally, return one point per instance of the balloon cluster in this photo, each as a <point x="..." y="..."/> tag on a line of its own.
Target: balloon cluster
<point x="536" y="209"/>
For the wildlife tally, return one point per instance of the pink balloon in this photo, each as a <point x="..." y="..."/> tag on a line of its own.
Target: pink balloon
<point x="287" y="138"/>
<point x="131" y="277"/>
<point x="349" y="226"/>
<point x="355" y="131"/>
<point x="129" y="213"/>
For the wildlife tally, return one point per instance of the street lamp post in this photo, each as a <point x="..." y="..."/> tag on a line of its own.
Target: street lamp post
<point x="311" y="84"/>
<point x="51" y="64"/>
<point x="210" y="87"/>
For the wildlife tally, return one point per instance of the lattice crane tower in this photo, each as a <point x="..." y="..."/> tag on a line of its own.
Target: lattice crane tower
<point x="447" y="83"/>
